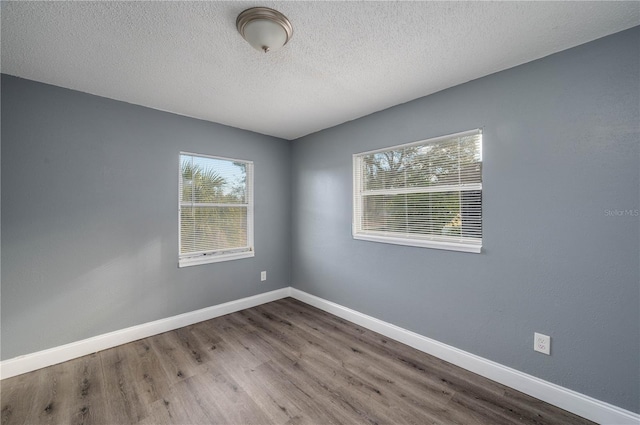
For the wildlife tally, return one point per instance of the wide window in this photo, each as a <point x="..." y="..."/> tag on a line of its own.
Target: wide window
<point x="426" y="193"/>
<point x="215" y="209"/>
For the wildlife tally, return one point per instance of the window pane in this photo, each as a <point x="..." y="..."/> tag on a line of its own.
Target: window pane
<point x="434" y="214"/>
<point x="447" y="162"/>
<point x="212" y="180"/>
<point x="212" y="228"/>
<point x="389" y="169"/>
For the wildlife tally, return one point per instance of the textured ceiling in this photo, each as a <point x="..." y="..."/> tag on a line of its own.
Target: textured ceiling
<point x="345" y="60"/>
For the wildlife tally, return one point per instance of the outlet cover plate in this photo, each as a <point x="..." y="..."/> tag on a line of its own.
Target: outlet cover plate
<point x="542" y="343"/>
<point x="263" y="276"/>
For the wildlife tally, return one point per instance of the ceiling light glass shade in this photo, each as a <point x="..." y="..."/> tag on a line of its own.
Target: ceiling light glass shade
<point x="264" y="29"/>
<point x="265" y="35"/>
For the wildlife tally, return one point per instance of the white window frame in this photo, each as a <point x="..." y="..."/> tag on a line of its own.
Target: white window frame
<point x="206" y="257"/>
<point x="451" y="243"/>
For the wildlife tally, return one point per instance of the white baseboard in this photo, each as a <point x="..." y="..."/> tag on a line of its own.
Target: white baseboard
<point x="572" y="401"/>
<point x="49" y="357"/>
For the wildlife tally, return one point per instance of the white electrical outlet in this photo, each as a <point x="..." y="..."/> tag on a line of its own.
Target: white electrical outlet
<point x="263" y="276"/>
<point x="542" y="343"/>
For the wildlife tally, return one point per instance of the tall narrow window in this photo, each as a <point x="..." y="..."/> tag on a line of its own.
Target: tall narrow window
<point x="426" y="193"/>
<point x="215" y="209"/>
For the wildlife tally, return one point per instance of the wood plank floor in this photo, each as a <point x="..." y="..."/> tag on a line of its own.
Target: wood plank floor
<point x="280" y="363"/>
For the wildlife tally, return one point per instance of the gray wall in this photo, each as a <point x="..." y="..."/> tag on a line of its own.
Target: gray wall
<point x="561" y="147"/>
<point x="89" y="216"/>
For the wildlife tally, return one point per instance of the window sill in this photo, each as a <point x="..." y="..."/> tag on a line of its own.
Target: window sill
<point x="422" y="243"/>
<point x="213" y="258"/>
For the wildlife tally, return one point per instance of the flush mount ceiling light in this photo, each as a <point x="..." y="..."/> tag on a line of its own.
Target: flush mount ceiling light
<point x="265" y="29"/>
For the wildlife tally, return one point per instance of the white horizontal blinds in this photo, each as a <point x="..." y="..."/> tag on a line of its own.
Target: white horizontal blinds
<point x="430" y="190"/>
<point x="214" y="205"/>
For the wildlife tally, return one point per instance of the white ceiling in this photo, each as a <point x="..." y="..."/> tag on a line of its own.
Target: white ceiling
<point x="345" y="60"/>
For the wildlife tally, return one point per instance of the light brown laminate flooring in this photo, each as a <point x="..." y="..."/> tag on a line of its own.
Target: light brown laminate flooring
<point x="279" y="363"/>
